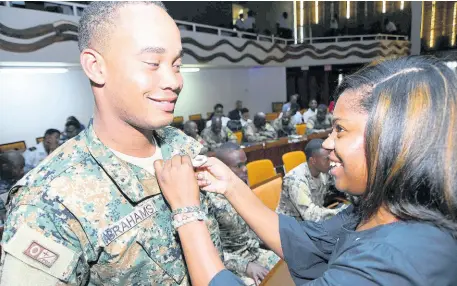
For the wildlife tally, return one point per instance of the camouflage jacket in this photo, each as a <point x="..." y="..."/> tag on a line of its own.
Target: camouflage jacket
<point x="86" y="217"/>
<point x="301" y="198"/>
<point x="253" y="134"/>
<point x="200" y="140"/>
<point x="215" y="140"/>
<point x="313" y="125"/>
<point x="284" y="131"/>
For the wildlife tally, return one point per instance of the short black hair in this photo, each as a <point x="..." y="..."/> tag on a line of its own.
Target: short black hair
<point x="244" y="110"/>
<point x="74" y="123"/>
<point x="218" y="106"/>
<point x="294" y="108"/>
<point x="99" y="17"/>
<point x="313" y="147"/>
<point x="225" y="149"/>
<point x="51" y="131"/>
<point x="322" y="106"/>
<point x="250" y="13"/>
<point x="284" y="14"/>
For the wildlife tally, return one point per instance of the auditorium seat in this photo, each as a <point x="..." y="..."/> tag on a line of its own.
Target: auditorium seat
<point x="293" y="159"/>
<point x="279" y="275"/>
<point x="39" y="140"/>
<point x="300" y="129"/>
<point x="19" y="146"/>
<point x="272" y="116"/>
<point x="239" y="136"/>
<point x="269" y="191"/>
<point x="195" y="117"/>
<point x="178" y="120"/>
<point x="303" y="110"/>
<point x="277" y="106"/>
<point x="208" y="115"/>
<point x="259" y="171"/>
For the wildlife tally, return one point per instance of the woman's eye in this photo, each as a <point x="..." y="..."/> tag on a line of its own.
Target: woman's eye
<point x="177" y="67"/>
<point x="338" y="128"/>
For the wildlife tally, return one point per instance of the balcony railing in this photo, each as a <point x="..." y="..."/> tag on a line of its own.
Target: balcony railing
<point x="75" y="9"/>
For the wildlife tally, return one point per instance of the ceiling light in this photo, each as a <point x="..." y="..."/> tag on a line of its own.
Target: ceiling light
<point x="190" y="70"/>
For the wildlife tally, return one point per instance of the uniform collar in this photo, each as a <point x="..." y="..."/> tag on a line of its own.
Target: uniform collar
<point x="134" y="182"/>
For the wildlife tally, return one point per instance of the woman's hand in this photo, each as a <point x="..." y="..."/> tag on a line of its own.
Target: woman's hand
<point x="177" y="181"/>
<point x="214" y="176"/>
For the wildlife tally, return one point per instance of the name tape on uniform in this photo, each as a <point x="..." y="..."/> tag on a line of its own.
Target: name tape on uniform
<point x="120" y="227"/>
<point x="41" y="254"/>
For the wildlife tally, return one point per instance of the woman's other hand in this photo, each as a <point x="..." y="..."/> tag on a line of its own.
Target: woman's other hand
<point x="214" y="176"/>
<point x="177" y="181"/>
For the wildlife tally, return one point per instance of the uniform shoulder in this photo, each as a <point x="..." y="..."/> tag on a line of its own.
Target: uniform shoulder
<point x="297" y="172"/>
<point x="71" y="153"/>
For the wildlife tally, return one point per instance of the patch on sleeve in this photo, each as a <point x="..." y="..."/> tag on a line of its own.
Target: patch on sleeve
<point x="42" y="253"/>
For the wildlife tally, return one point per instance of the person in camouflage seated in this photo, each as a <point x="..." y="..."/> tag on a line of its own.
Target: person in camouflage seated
<point x="215" y="135"/>
<point x="321" y="122"/>
<point x="242" y="252"/>
<point x="305" y="187"/>
<point x="191" y="129"/>
<point x="92" y="213"/>
<point x="259" y="130"/>
<point x="284" y="125"/>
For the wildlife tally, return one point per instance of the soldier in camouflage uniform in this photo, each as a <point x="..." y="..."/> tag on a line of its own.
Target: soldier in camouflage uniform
<point x="191" y="129"/>
<point x="259" y="131"/>
<point x="284" y="125"/>
<point x="306" y="186"/>
<point x="321" y="122"/>
<point x="86" y="216"/>
<point x="216" y="135"/>
<point x="242" y="253"/>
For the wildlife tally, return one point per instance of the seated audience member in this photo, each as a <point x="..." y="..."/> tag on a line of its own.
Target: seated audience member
<point x="11" y="170"/>
<point x="216" y="134"/>
<point x="34" y="155"/>
<point x="305" y="187"/>
<point x="284" y="126"/>
<point x="245" y="120"/>
<point x="288" y="105"/>
<point x="242" y="253"/>
<point x="191" y="129"/>
<point x="392" y="146"/>
<point x="72" y="128"/>
<point x="236" y="113"/>
<point x="239" y="23"/>
<point x="218" y="111"/>
<point x="249" y="23"/>
<point x="321" y="122"/>
<point x="72" y="118"/>
<point x="390" y="26"/>
<point x="311" y="110"/>
<point x="296" y="116"/>
<point x="259" y="130"/>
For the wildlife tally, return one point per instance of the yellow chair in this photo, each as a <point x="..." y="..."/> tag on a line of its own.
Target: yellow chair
<point x="178" y="120"/>
<point x="239" y="136"/>
<point x="300" y="129"/>
<point x="20" y="146"/>
<point x="271" y="116"/>
<point x="303" y="110"/>
<point x="293" y="159"/>
<point x="260" y="171"/>
<point x="279" y="275"/>
<point x="39" y="140"/>
<point x="195" y="117"/>
<point x="208" y="115"/>
<point x="269" y="192"/>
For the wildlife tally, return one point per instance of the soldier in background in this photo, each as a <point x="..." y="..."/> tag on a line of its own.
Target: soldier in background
<point x="191" y="129"/>
<point x="242" y="252"/>
<point x="305" y="187"/>
<point x="92" y="213"/>
<point x="284" y="125"/>
<point x="259" y="131"/>
<point x="11" y="170"/>
<point x="321" y="122"/>
<point x="34" y="155"/>
<point x="216" y="134"/>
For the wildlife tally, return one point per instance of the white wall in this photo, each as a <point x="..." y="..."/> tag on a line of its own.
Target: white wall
<point x="32" y="103"/>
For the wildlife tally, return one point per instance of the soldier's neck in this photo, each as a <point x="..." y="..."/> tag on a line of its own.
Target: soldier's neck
<point x="124" y="138"/>
<point x="314" y="172"/>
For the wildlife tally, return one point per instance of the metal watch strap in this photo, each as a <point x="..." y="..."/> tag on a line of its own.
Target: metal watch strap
<point x="185" y="210"/>
<point x="187" y="218"/>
